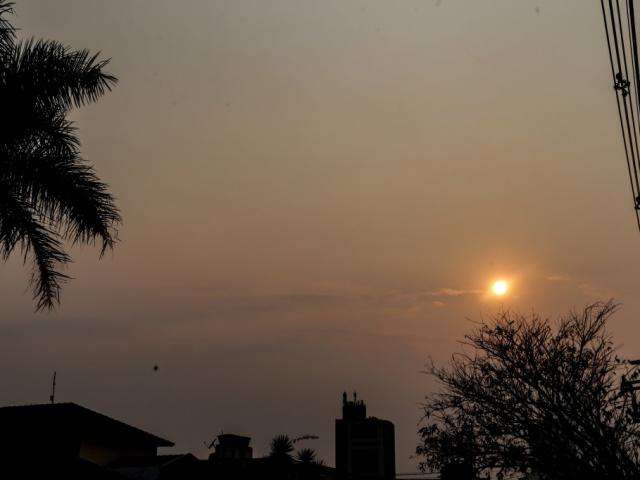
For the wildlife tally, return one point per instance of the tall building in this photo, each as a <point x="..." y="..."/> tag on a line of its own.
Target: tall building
<point x="365" y="446"/>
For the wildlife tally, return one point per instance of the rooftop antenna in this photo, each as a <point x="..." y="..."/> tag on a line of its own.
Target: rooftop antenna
<point x="52" y="397"/>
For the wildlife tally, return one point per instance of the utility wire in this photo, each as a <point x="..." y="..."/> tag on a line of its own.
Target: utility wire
<point x="622" y="129"/>
<point x="627" y="92"/>
<point x="634" y="52"/>
<point x="631" y="28"/>
<point x="622" y="89"/>
<point x="627" y="98"/>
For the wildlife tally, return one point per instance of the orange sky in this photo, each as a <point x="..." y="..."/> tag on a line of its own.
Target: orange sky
<point x="316" y="196"/>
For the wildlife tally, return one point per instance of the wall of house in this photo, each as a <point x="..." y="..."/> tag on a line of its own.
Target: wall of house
<point x="105" y="454"/>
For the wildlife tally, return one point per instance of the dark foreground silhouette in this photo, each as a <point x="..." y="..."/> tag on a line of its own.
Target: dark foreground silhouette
<point x="48" y="193"/>
<point x="529" y="396"/>
<point x="66" y="440"/>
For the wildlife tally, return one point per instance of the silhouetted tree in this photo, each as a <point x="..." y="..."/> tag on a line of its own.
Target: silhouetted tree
<point x="48" y="193"/>
<point x="310" y="467"/>
<point x="281" y="448"/>
<point x="530" y="396"/>
<point x="306" y="455"/>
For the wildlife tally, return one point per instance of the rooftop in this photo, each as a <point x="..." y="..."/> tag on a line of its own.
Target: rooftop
<point x="72" y="418"/>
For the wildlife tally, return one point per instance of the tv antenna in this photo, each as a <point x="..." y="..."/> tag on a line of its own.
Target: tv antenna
<point x="52" y="397"/>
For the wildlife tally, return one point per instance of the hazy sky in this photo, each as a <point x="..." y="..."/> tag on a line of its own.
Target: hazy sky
<point x="316" y="195"/>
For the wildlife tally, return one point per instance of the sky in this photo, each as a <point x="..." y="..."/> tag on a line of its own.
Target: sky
<point x="316" y="197"/>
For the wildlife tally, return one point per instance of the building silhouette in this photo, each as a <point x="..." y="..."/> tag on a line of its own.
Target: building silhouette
<point x="365" y="446"/>
<point x="71" y="431"/>
<point x="66" y="440"/>
<point x="230" y="446"/>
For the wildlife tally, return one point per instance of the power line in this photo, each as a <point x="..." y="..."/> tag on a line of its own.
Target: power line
<point x="628" y="97"/>
<point x="622" y="46"/>
<point x="622" y="130"/>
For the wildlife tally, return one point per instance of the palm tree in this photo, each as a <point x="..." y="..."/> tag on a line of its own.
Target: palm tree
<point x="281" y="447"/>
<point x="306" y="456"/>
<point x="310" y="468"/>
<point x="48" y="193"/>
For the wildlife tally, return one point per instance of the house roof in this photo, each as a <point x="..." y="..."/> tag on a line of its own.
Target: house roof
<point x="72" y="419"/>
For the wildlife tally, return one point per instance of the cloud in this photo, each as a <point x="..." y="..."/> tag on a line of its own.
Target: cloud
<point x="439" y="304"/>
<point x="452" y="292"/>
<point x="595" y="292"/>
<point x="558" y="278"/>
<point x="586" y="288"/>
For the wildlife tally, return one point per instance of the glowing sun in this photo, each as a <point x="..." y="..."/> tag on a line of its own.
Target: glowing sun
<point x="500" y="288"/>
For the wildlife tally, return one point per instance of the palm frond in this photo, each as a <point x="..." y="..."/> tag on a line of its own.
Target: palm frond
<point x="67" y="192"/>
<point x="20" y="227"/>
<point x="281" y="446"/>
<point x="7" y="30"/>
<point x="51" y="73"/>
<point x="48" y="193"/>
<point x="306" y="455"/>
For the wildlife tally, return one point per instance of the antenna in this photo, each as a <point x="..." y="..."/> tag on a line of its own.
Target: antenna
<point x="52" y="397"/>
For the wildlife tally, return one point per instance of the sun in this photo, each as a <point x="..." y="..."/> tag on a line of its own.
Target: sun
<point x="500" y="288"/>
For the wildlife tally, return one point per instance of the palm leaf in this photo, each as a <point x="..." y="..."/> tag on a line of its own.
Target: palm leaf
<point x="68" y="193"/>
<point x="48" y="193"/>
<point x="7" y="31"/>
<point x="50" y="73"/>
<point x="20" y="227"/>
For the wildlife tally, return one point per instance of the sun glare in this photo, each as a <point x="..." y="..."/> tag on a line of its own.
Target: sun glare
<point x="500" y="288"/>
